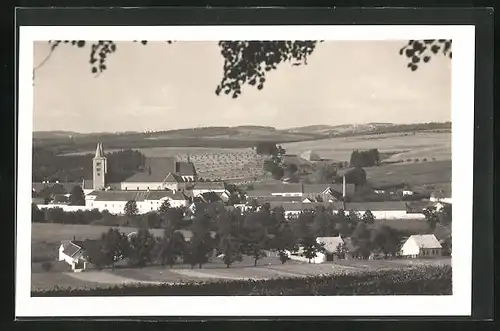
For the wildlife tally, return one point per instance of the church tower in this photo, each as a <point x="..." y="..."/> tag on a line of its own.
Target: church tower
<point x="100" y="168"/>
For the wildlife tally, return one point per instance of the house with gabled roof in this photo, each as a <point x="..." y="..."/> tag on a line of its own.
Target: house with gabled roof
<point x="417" y="246"/>
<point x="73" y="254"/>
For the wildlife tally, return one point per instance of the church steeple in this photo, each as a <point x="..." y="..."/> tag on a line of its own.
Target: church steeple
<point x="100" y="168"/>
<point x="99" y="151"/>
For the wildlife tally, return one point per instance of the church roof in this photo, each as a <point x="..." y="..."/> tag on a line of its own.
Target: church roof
<point x="185" y="169"/>
<point x="137" y="195"/>
<point x="159" y="169"/>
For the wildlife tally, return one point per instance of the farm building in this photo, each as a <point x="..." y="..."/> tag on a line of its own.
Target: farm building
<point x="310" y="156"/>
<point x="40" y="187"/>
<point x="442" y="195"/>
<point x="332" y="245"/>
<point x="73" y="254"/>
<point x="114" y="201"/>
<point x="326" y="192"/>
<point x="384" y="210"/>
<point x="425" y="245"/>
<point x="205" y="187"/>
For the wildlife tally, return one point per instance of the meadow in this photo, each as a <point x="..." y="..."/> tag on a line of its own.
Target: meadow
<point x="419" y="175"/>
<point x="430" y="145"/>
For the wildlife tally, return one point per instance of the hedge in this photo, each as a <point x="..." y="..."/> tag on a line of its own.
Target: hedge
<point x="429" y="280"/>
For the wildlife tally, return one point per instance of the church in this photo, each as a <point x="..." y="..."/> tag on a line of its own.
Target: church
<point x="159" y="173"/>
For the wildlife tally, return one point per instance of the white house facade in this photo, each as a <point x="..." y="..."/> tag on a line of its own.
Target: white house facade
<point x="417" y="246"/>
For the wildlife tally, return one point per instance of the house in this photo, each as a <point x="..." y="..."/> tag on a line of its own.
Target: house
<point x="73" y="254"/>
<point x="331" y="245"/>
<point x="114" y="201"/>
<point x="441" y="195"/>
<point x="294" y="209"/>
<point x="383" y="210"/>
<point x="325" y="192"/>
<point x="310" y="156"/>
<point x="204" y="187"/>
<point x="425" y="245"/>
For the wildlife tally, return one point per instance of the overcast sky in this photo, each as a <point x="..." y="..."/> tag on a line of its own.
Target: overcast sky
<point x="162" y="87"/>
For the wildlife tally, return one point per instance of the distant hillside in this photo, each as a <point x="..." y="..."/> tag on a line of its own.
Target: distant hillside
<point x="219" y="137"/>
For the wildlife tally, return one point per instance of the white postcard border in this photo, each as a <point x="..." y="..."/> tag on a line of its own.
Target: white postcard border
<point x="462" y="181"/>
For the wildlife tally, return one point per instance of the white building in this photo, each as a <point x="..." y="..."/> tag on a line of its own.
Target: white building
<point x="425" y="245"/>
<point x="147" y="201"/>
<point x="72" y="254"/>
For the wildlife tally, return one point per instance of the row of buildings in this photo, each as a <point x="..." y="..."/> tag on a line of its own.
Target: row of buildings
<point x="167" y="179"/>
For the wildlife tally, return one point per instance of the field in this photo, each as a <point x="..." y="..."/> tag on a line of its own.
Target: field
<point x="244" y="165"/>
<point x="417" y="175"/>
<point x="268" y="268"/>
<point x="430" y="145"/>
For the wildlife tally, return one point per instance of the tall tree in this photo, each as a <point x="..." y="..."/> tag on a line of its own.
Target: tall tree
<point x="170" y="247"/>
<point x="130" y="208"/>
<point x="164" y="208"/>
<point x="254" y="237"/>
<point x="141" y="246"/>
<point x="115" y="246"/>
<point x="77" y="197"/>
<point x="284" y="241"/>
<point x="368" y="217"/>
<point x="229" y="246"/>
<point x="361" y="239"/>
<point x="386" y="240"/>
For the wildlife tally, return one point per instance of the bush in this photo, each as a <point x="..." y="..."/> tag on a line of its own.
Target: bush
<point x="431" y="280"/>
<point x="47" y="266"/>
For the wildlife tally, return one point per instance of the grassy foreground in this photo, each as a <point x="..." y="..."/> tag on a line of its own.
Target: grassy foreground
<point x="429" y="280"/>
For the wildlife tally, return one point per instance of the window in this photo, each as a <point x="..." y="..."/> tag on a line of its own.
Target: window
<point x="137" y="188"/>
<point x="105" y="205"/>
<point x="126" y="188"/>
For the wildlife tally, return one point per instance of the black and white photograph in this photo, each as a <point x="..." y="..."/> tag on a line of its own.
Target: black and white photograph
<point x="193" y="165"/>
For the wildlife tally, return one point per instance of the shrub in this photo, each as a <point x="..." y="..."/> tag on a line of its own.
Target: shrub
<point x="47" y="266"/>
<point x="431" y="280"/>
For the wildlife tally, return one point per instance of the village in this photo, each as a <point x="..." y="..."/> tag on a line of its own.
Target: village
<point x="343" y="228"/>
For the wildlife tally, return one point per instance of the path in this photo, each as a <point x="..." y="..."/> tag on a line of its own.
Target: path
<point x="103" y="277"/>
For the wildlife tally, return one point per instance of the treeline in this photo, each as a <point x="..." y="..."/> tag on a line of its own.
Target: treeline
<point x="48" y="165"/>
<point x="413" y="281"/>
<point x="151" y="220"/>
<point x="368" y="158"/>
<point x="232" y="234"/>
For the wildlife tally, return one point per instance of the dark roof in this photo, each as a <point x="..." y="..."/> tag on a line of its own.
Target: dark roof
<point x="155" y="170"/>
<point x="278" y="188"/>
<point x="173" y="178"/>
<point x="185" y="169"/>
<point x="298" y="206"/>
<point x="262" y="200"/>
<point x="209" y="185"/>
<point x="59" y="198"/>
<point x="376" y="206"/>
<point x="137" y="195"/>
<point x="268" y="189"/>
<point x="70" y="248"/>
<point x="68" y="186"/>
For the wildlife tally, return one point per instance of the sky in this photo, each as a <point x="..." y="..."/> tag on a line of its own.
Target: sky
<point x="164" y="86"/>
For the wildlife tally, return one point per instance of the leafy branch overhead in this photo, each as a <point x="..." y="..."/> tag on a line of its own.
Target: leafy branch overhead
<point x="247" y="62"/>
<point x="421" y="51"/>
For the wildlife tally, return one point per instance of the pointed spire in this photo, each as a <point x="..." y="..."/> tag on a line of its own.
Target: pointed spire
<point x="99" y="151"/>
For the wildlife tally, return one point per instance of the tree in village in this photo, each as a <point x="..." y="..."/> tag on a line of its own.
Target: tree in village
<point x="368" y="217"/>
<point x="324" y="173"/>
<point x="341" y="250"/>
<point x="431" y="216"/>
<point x="343" y="226"/>
<point x="201" y="243"/>
<point x="141" y="247"/>
<point x="248" y="62"/>
<point x="115" y="246"/>
<point x="228" y="236"/>
<point x="386" y="240"/>
<point x="254" y="237"/>
<point x="170" y="247"/>
<point x="77" y="197"/>
<point x="130" y="208"/>
<point x="361" y="239"/>
<point x="152" y="219"/>
<point x="164" y="208"/>
<point x="324" y="223"/>
<point x="284" y="241"/>
<point x="229" y="247"/>
<point x="306" y="238"/>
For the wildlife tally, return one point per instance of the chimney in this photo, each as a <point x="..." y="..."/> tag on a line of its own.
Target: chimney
<point x="343" y="187"/>
<point x="74" y="238"/>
